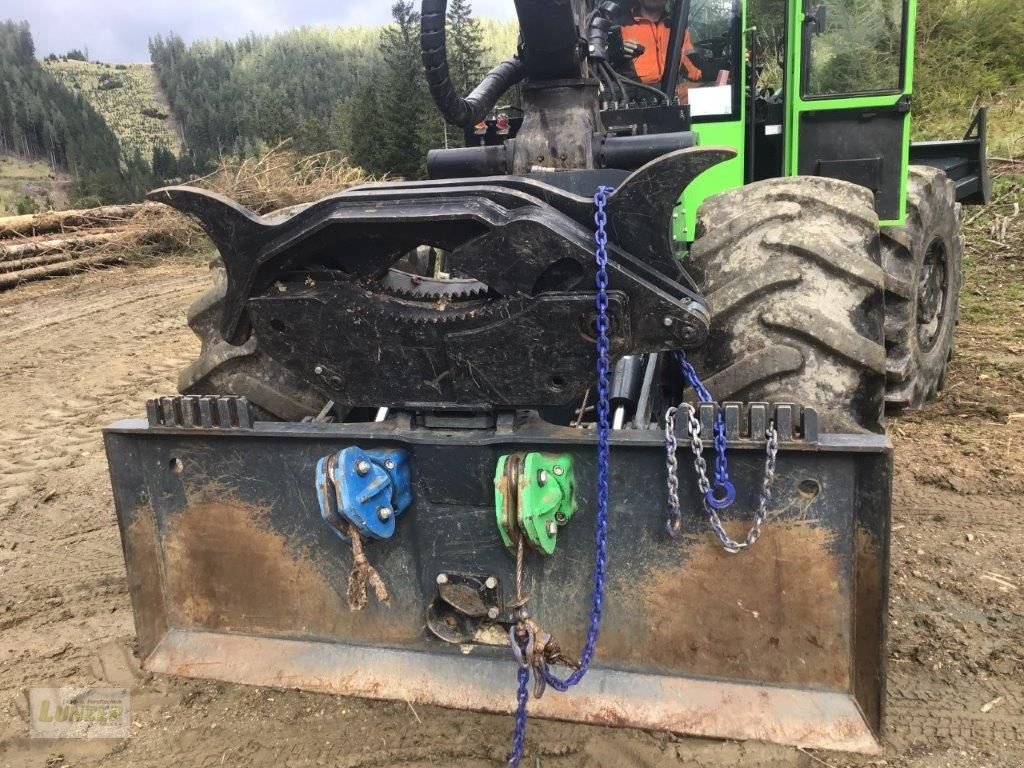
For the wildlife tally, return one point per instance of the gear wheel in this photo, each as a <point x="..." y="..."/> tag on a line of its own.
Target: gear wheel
<point x="421" y="288"/>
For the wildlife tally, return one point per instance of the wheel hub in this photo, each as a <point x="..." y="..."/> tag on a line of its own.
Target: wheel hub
<point x="932" y="289"/>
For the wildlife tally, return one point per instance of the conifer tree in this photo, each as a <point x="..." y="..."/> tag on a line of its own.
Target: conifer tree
<point x="465" y="47"/>
<point x="403" y="95"/>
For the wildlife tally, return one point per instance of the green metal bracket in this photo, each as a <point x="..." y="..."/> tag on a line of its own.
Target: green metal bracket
<point x="536" y="493"/>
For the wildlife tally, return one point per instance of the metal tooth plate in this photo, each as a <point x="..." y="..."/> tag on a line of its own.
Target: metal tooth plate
<point x="735" y="416"/>
<point x="750" y="421"/>
<point x="784" y="422"/>
<point x="194" y="412"/>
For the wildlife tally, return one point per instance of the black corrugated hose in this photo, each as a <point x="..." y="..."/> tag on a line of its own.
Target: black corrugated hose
<point x="457" y="110"/>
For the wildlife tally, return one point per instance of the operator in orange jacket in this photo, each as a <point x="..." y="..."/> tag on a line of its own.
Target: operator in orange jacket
<point x="651" y="29"/>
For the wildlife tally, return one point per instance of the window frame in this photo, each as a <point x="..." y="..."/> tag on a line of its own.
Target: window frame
<point x="738" y="80"/>
<point x="807" y="47"/>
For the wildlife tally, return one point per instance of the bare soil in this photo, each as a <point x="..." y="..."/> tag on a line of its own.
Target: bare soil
<point x="77" y="353"/>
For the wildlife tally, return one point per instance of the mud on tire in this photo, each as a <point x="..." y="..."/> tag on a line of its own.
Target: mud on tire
<point x="920" y="326"/>
<point x="792" y="269"/>
<point x="227" y="369"/>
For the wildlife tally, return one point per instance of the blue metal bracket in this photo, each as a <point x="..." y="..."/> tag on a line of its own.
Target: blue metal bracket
<point x="365" y="489"/>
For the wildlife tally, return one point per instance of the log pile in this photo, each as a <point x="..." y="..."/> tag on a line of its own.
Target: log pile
<point x="52" y="222"/>
<point x="64" y="242"/>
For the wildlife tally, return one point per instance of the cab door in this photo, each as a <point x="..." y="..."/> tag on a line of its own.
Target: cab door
<point x="849" y="115"/>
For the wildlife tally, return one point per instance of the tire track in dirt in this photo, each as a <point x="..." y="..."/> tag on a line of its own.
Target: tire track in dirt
<point x="83" y="364"/>
<point x="75" y="354"/>
<point x="956" y="638"/>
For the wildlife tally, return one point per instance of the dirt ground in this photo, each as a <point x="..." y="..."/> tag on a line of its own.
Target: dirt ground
<point x="76" y="353"/>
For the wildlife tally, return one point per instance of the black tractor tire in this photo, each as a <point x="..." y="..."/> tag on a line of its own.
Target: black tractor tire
<point x="792" y="271"/>
<point x="921" y="314"/>
<point x="243" y="370"/>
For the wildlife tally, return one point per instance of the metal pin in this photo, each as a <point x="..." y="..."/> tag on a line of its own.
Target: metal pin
<point x="389" y="464"/>
<point x="442" y="578"/>
<point x="492" y="613"/>
<point x="620" y="417"/>
<point x="384" y="514"/>
<point x="542" y="477"/>
<point x="362" y="467"/>
<point x="319" y="370"/>
<point x="559" y="471"/>
<point x="491" y="582"/>
<point x="668" y="322"/>
<point x="382" y="415"/>
<point x="552" y="528"/>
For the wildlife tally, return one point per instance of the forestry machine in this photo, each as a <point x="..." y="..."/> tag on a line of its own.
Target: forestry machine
<point x="596" y="407"/>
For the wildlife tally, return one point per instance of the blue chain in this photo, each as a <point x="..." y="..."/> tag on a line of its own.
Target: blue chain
<point x="722" y="493"/>
<point x="522" y="696"/>
<point x="603" y="451"/>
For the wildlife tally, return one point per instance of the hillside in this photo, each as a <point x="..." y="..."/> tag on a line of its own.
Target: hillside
<point x="358" y="89"/>
<point x="500" y="40"/>
<point x="127" y="98"/>
<point x="41" y="120"/>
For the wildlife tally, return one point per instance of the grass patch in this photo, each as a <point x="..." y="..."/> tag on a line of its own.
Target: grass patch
<point x="31" y="179"/>
<point x="1005" y="121"/>
<point x="992" y="302"/>
<point x="14" y="169"/>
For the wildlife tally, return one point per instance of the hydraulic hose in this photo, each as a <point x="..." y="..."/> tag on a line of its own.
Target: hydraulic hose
<point x="456" y="110"/>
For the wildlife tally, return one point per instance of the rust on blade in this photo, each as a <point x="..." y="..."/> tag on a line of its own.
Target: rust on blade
<point x="776" y="609"/>
<point x="229" y="570"/>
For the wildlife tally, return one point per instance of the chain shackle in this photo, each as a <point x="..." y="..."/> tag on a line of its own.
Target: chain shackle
<point x="722" y="493"/>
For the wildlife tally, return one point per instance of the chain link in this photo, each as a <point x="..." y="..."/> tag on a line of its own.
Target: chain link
<point x="704" y="483"/>
<point x="522" y="697"/>
<point x="543" y="674"/>
<point x="603" y="449"/>
<point x="675" y="516"/>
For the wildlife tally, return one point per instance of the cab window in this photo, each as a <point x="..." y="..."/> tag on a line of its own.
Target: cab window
<point x="853" y="47"/>
<point x="715" y="44"/>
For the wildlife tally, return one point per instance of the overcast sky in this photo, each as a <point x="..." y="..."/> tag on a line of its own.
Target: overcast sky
<point x="118" y="30"/>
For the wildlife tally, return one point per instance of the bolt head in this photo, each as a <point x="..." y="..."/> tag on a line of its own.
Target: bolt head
<point x="542" y="477"/>
<point x="668" y="322"/>
<point x="442" y="578"/>
<point x="559" y="471"/>
<point x="319" y="370"/>
<point x="384" y="514"/>
<point x="389" y="464"/>
<point x="552" y="528"/>
<point x="491" y="582"/>
<point x="362" y="467"/>
<point x="492" y="613"/>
